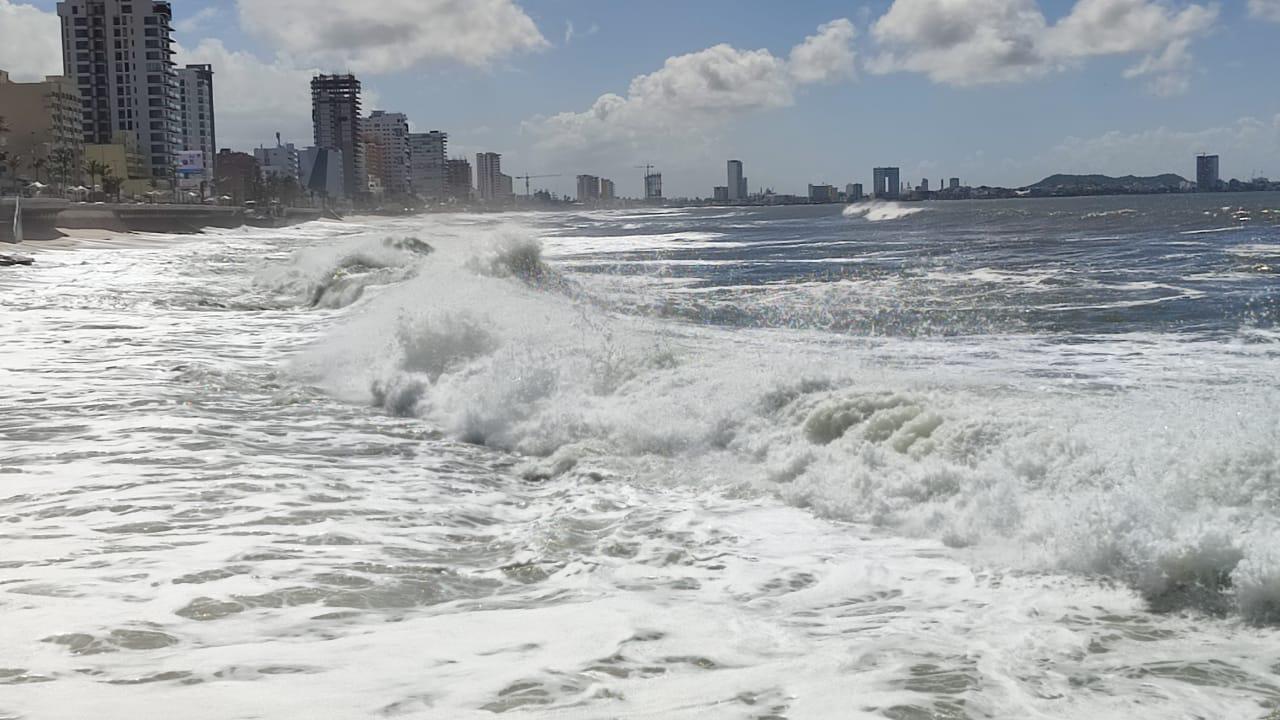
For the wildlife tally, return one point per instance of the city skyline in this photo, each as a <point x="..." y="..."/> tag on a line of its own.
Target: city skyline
<point x="816" y="94"/>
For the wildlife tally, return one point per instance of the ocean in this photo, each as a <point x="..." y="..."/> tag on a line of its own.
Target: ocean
<point x="910" y="461"/>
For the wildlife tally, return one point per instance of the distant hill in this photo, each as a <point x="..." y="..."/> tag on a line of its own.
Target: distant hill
<point x="1106" y="183"/>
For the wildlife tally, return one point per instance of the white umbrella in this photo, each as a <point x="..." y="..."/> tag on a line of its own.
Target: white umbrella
<point x="37" y="185"/>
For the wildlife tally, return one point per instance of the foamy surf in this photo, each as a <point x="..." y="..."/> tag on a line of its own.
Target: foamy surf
<point x="878" y="211"/>
<point x="494" y="483"/>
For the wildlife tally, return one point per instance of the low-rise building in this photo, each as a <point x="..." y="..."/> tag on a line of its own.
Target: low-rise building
<point x="237" y="175"/>
<point x="322" y="173"/>
<point x="45" y="139"/>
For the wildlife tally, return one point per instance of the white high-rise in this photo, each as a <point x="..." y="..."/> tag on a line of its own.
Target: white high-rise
<point x="488" y="175"/>
<point x="120" y="55"/>
<point x="428" y="158"/>
<point x="391" y="132"/>
<point x="199" y="135"/>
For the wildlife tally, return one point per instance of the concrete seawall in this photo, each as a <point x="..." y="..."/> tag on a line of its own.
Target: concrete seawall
<point x="41" y="218"/>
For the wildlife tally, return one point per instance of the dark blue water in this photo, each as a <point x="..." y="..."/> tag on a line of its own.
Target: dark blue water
<point x="1205" y="264"/>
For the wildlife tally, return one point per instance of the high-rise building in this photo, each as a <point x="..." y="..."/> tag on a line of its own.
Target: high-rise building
<point x="924" y="185"/>
<point x="1208" y="177"/>
<point x="391" y="132"/>
<point x="955" y="183"/>
<point x="720" y="193"/>
<point x="853" y="192"/>
<point x="588" y="188"/>
<point x="458" y="179"/>
<point x="887" y="184"/>
<point x="428" y="174"/>
<point x="506" y="187"/>
<point x="119" y="53"/>
<point x="199" y="136"/>
<point x="44" y="125"/>
<point x="737" y="183"/>
<point x="488" y="175"/>
<point x="336" y="121"/>
<point x="653" y="186"/>
<point x="608" y="191"/>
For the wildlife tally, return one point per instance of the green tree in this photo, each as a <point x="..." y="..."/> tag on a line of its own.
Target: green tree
<point x="95" y="169"/>
<point x="111" y="184"/>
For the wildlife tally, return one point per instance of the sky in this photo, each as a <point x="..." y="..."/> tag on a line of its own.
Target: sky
<point x="996" y="92"/>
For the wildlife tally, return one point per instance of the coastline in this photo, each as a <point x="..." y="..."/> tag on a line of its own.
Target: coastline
<point x="47" y="220"/>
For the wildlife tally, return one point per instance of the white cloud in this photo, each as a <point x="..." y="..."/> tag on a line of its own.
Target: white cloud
<point x="30" y="42"/>
<point x="1265" y="9"/>
<point x="1252" y="144"/>
<point x="391" y="35"/>
<point x="568" y="31"/>
<point x="827" y="55"/>
<point x="961" y="42"/>
<point x="193" y="23"/>
<point x="973" y="42"/>
<point x="254" y="99"/>
<point x="696" y="91"/>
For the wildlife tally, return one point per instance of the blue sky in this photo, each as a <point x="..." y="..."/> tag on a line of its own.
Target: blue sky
<point x="994" y="91"/>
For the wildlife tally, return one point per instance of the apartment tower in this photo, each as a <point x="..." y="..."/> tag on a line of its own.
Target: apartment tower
<point x="336" y="121"/>
<point x="119" y="53"/>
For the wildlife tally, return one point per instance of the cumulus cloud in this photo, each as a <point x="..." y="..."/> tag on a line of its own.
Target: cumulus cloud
<point x="974" y="42"/>
<point x="254" y="98"/>
<point x="827" y="55"/>
<point x="391" y="35"/>
<point x="1265" y="9"/>
<point x="30" y="42"/>
<point x="698" y="90"/>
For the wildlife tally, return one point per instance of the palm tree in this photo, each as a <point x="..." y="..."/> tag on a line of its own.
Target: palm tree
<point x="111" y="184"/>
<point x="94" y="168"/>
<point x="60" y="163"/>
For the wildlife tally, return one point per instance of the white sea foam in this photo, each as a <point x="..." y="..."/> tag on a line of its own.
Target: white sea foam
<point x="194" y="529"/>
<point x="877" y="211"/>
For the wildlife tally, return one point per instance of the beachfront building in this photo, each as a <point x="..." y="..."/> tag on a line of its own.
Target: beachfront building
<point x="458" y="179"/>
<point x="653" y="187"/>
<point x="608" y="191"/>
<point x="336" y="123"/>
<point x="822" y="194"/>
<point x="199" y="138"/>
<point x="887" y="183"/>
<point x="119" y="54"/>
<point x="737" y="186"/>
<point x="1208" y="177"/>
<point x="428" y="173"/>
<point x="488" y="176"/>
<point x="44" y="137"/>
<point x="238" y="176"/>
<point x="588" y="189"/>
<point x="390" y="132"/>
<point x="282" y="161"/>
<point x="322" y="172"/>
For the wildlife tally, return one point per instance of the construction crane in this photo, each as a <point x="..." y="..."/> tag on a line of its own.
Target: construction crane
<point x="527" y="178"/>
<point x="648" y="171"/>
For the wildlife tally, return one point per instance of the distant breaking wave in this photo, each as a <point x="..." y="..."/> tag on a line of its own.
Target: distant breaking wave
<point x="878" y="211"/>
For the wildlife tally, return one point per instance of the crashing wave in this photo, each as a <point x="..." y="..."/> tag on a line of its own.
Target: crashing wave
<point x="877" y="211"/>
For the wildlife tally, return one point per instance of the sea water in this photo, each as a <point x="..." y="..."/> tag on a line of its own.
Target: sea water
<point x="940" y="460"/>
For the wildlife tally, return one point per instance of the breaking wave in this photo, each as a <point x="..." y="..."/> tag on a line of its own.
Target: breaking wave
<point x="1172" y="489"/>
<point x="877" y="211"/>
